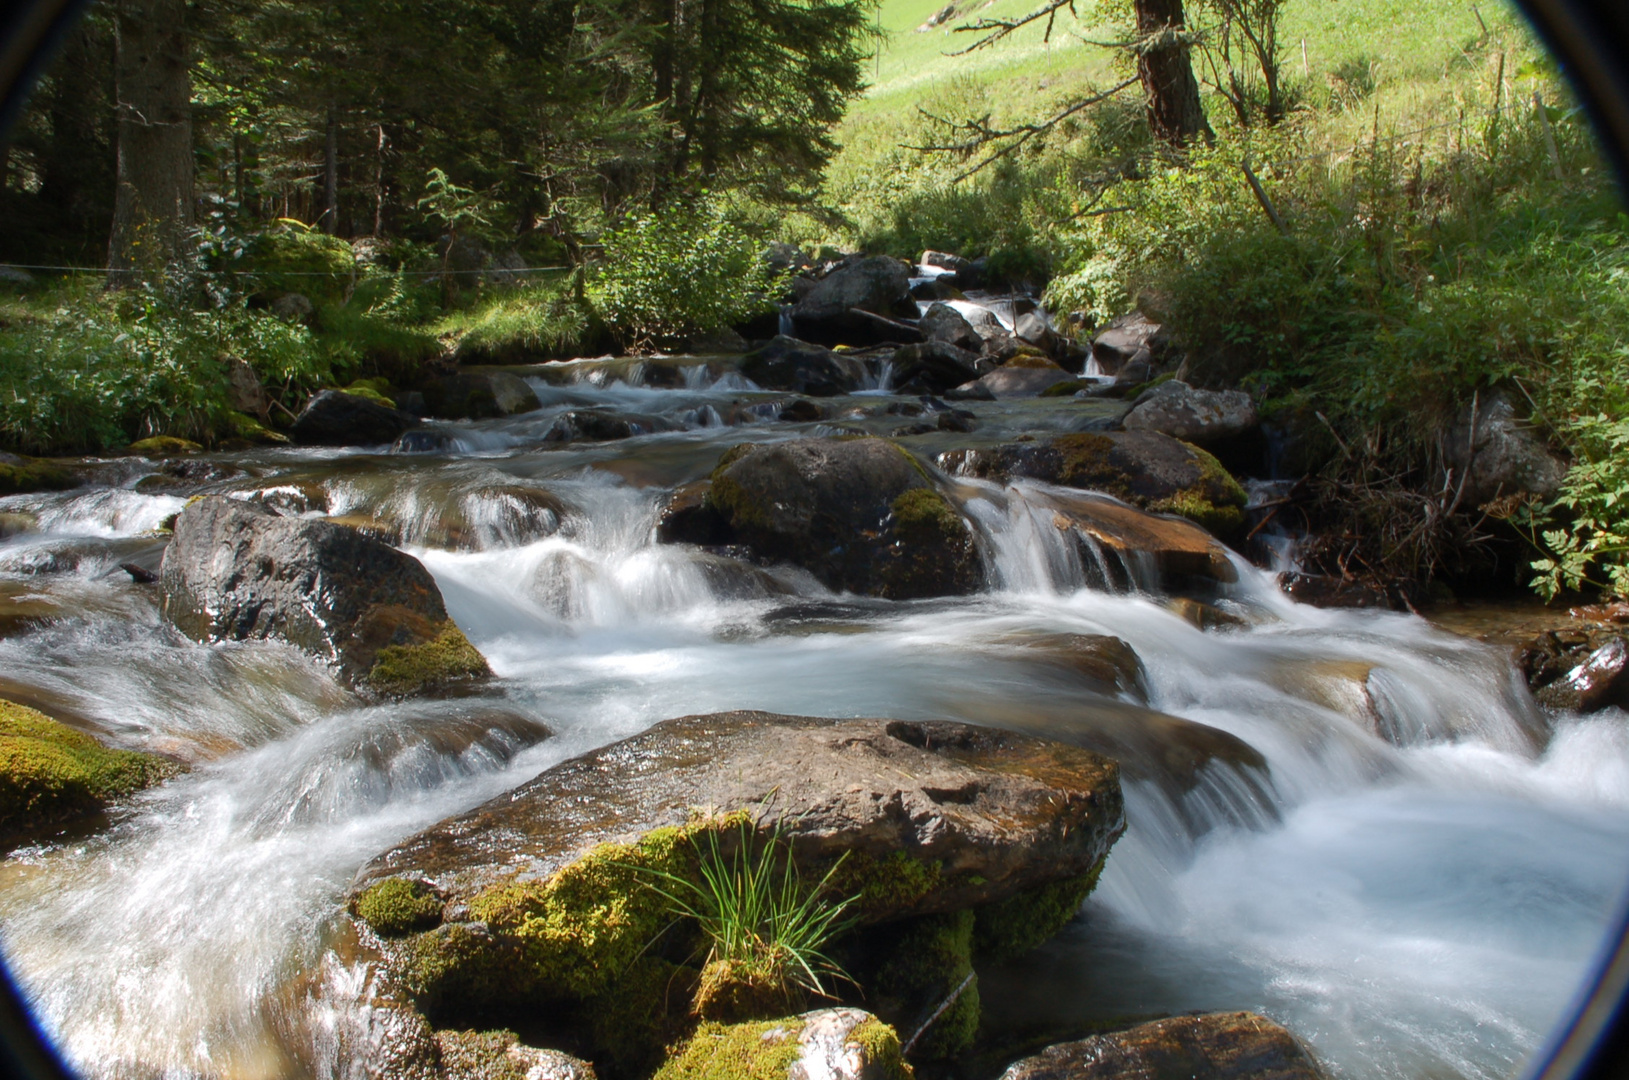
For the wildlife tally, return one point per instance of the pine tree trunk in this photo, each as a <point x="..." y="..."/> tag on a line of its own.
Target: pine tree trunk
<point x="152" y="208"/>
<point x="1174" y="109"/>
<point x="330" y="177"/>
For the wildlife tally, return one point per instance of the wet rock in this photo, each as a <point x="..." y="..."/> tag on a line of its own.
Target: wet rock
<point x="859" y="304"/>
<point x="235" y="571"/>
<point x="828" y="1044"/>
<point x="1025" y="375"/>
<point x="335" y="418"/>
<point x="424" y="440"/>
<point x="51" y="773"/>
<point x="937" y="288"/>
<point x="800" y="411"/>
<point x="1326" y="591"/>
<point x="944" y="323"/>
<point x="780" y="257"/>
<point x="1602" y="679"/>
<point x="1123" y="338"/>
<point x="689" y="518"/>
<point x="601" y="425"/>
<point x="22" y="476"/>
<point x="467" y="395"/>
<point x="1212" y="1046"/>
<point x="155" y="446"/>
<point x="16" y="523"/>
<point x="1198" y="416"/>
<point x="970" y="391"/>
<point x="1033" y="328"/>
<point x="543" y="899"/>
<point x="500" y="1055"/>
<point x="786" y="363"/>
<point x="932" y="368"/>
<point x="1152" y="471"/>
<point x="860" y="514"/>
<point x="186" y="475"/>
<point x="1108" y="663"/>
<point x="1181" y="551"/>
<point x="1203" y="616"/>
<point x="943" y="260"/>
<point x="1507" y="456"/>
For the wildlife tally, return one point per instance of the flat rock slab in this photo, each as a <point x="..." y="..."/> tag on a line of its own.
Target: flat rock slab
<point x="998" y="812"/>
<point x="1178" y="548"/>
<point x="1215" y="1046"/>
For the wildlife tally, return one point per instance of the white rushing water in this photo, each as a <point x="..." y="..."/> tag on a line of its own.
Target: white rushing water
<point x="1415" y="881"/>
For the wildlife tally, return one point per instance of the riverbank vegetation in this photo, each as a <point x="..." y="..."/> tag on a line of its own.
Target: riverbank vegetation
<point x="1378" y="232"/>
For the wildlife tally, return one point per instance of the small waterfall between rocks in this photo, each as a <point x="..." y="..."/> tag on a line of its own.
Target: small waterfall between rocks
<point x="1353" y="821"/>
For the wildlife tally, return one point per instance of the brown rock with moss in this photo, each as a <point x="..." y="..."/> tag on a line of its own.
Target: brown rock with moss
<point x="831" y="1044"/>
<point x="51" y="773"/>
<point x="544" y="894"/>
<point x="1213" y="1046"/>
<point x="1182" y="554"/>
<point x="1146" y="468"/>
<point x="861" y="514"/>
<point x="235" y="571"/>
<point x="21" y="475"/>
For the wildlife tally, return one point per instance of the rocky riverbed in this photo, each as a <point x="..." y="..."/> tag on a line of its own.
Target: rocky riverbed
<point x="360" y="755"/>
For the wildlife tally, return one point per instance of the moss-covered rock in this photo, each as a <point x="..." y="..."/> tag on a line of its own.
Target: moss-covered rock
<point x="928" y="959"/>
<point x="860" y="514"/>
<point x="163" y="446"/>
<point x="1014" y="926"/>
<point x="398" y="906"/>
<point x="448" y="657"/>
<point x="1145" y="468"/>
<point x="51" y="773"/>
<point x="20" y="476"/>
<point x="500" y="1055"/>
<point x="836" y="1044"/>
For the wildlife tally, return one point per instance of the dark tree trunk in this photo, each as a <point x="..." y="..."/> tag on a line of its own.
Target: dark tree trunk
<point x="76" y="181"/>
<point x="330" y="177"/>
<point x="1174" y="109"/>
<point x="152" y="206"/>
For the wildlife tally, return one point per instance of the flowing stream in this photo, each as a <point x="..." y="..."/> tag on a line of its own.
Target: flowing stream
<point x="1409" y="867"/>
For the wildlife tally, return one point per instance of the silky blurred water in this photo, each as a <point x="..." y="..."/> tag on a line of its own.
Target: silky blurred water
<point x="1415" y="883"/>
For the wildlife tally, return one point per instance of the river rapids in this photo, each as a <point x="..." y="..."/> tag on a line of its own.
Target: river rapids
<point x="1416" y="895"/>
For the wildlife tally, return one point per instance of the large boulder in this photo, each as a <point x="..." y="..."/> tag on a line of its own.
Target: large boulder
<point x="540" y="901"/>
<point x="1213" y="1046"/>
<point x="860" y="514"/>
<point x="786" y="363"/>
<point x="859" y="304"/>
<point x="932" y="367"/>
<point x="1025" y="375"/>
<point x="828" y="1044"/>
<point x="1198" y="416"/>
<point x="1505" y="457"/>
<point x="944" y="323"/>
<point x="21" y="475"/>
<point x="1152" y="471"/>
<point x="335" y="418"/>
<point x="1598" y="679"/>
<point x="465" y="395"/>
<point x="1125" y="337"/>
<point x="235" y="571"/>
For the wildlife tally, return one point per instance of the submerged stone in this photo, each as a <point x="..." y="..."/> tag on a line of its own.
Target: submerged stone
<point x="235" y="571"/>
<point x="1213" y="1046"/>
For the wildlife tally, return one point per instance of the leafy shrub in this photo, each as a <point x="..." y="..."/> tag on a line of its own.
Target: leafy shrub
<point x="291" y="257"/>
<point x="682" y="272"/>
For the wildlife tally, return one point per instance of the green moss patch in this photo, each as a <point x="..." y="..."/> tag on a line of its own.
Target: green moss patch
<point x="398" y="906"/>
<point x="1018" y="924"/>
<point x="448" y="657"/>
<point x="895" y="882"/>
<point x="1223" y="521"/>
<point x="163" y="446"/>
<point x="930" y="548"/>
<point x="50" y="773"/>
<point x="927" y="959"/>
<point x="24" y="475"/>
<point x="765" y="1050"/>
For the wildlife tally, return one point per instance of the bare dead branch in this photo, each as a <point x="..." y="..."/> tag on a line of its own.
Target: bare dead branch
<point x="996" y="29"/>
